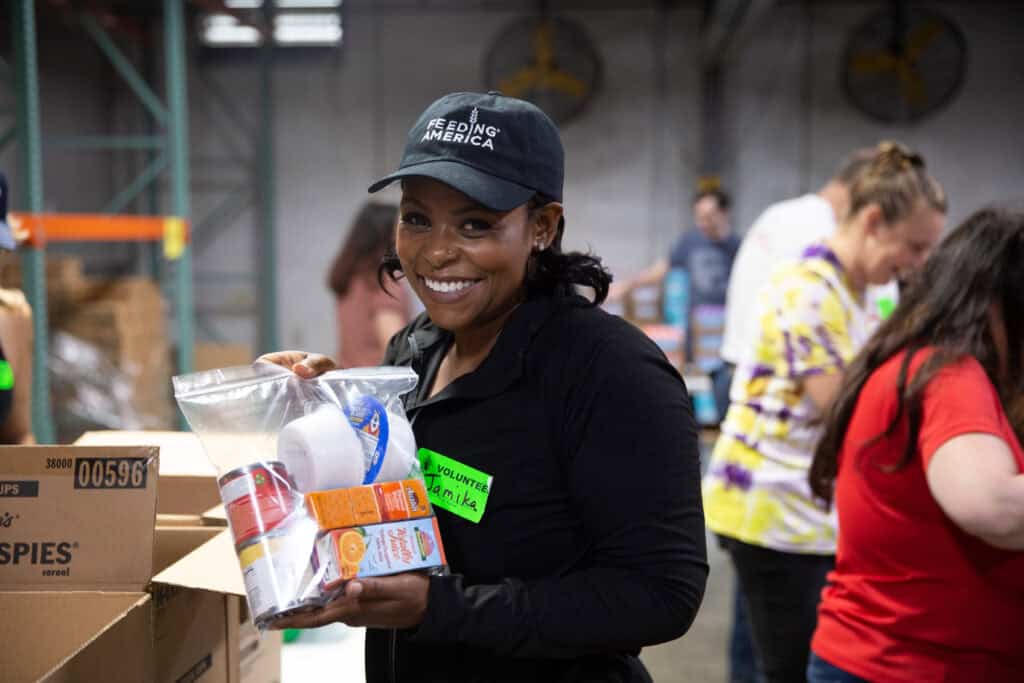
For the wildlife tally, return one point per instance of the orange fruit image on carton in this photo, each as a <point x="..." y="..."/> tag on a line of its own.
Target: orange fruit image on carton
<point x="381" y="549"/>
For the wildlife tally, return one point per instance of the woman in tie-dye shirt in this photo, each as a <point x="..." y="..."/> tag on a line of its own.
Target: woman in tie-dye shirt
<point x="813" y="321"/>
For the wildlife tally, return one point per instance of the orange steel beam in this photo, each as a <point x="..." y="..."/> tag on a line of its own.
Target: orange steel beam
<point x="36" y="229"/>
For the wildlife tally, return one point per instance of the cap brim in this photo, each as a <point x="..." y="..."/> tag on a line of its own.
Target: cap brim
<point x="7" y="240"/>
<point x="490" y="191"/>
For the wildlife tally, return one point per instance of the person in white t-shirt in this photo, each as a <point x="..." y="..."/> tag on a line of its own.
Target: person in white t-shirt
<point x="778" y="236"/>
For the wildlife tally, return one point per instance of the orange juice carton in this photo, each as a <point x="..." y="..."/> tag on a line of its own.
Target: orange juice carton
<point x="369" y="504"/>
<point x="378" y="550"/>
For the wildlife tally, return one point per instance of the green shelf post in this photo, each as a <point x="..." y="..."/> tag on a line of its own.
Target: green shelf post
<point x="30" y="163"/>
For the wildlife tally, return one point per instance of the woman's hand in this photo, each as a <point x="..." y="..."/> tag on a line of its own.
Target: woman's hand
<point x="398" y="601"/>
<point x="304" y="364"/>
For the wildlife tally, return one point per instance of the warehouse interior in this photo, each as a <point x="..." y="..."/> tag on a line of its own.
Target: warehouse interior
<point x="183" y="172"/>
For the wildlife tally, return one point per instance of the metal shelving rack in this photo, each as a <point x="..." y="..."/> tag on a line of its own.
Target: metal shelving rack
<point x="170" y="118"/>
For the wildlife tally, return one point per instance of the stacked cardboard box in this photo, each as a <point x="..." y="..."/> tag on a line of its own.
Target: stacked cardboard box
<point x="124" y="320"/>
<point x="80" y="542"/>
<point x="64" y="275"/>
<point x="79" y="546"/>
<point x="188" y="482"/>
<point x="220" y="642"/>
<point x="707" y="325"/>
<point x="210" y="356"/>
<point x="643" y="305"/>
<point x="671" y="340"/>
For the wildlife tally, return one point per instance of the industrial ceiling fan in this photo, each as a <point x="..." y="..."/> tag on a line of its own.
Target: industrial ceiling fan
<point x="547" y="60"/>
<point x="904" y="63"/>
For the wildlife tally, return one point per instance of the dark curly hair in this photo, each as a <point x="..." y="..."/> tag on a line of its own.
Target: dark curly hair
<point x="548" y="271"/>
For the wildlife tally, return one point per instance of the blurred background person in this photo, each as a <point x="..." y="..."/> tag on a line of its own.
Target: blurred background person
<point x="369" y="312"/>
<point x="706" y="256"/>
<point x="779" y="236"/>
<point x="15" y="348"/>
<point x="812" y="320"/>
<point x="927" y="475"/>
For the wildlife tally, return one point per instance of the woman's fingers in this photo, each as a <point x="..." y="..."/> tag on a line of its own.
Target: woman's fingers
<point x="312" y="365"/>
<point x="387" y="602"/>
<point x="302" y="363"/>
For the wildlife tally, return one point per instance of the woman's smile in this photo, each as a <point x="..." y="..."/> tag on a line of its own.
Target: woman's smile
<point x="447" y="290"/>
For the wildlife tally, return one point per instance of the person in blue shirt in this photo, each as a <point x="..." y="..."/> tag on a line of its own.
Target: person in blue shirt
<point x="706" y="255"/>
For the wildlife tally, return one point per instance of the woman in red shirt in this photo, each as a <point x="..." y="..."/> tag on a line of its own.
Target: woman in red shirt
<point x="922" y="451"/>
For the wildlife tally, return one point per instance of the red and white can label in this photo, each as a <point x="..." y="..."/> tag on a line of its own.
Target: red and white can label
<point x="257" y="499"/>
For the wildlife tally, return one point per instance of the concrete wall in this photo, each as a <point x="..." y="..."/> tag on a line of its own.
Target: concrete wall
<point x="632" y="159"/>
<point x="974" y="147"/>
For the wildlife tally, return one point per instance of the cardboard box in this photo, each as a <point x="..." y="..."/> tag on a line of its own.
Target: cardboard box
<point x="214" y="603"/>
<point x="62" y="637"/>
<point x="64" y="274"/>
<point x="215" y="516"/>
<point x="261" y="655"/>
<point x="707" y="326"/>
<point x="643" y="305"/>
<point x="188" y="482"/>
<point x="72" y="579"/>
<point x="671" y="340"/>
<point x="210" y="356"/>
<point x="123" y="322"/>
<point x="190" y="627"/>
<point x="203" y="634"/>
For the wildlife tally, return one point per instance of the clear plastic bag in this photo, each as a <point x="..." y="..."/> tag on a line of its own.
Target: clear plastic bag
<point x="319" y="478"/>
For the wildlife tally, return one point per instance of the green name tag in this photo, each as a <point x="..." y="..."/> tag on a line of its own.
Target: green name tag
<point x="6" y="375"/>
<point x="460" y="489"/>
<point x="885" y="308"/>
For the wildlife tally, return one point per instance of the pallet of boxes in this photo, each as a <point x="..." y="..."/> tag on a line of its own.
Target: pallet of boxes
<point x="663" y="318"/>
<point x="644" y="308"/>
<point x="110" y="357"/>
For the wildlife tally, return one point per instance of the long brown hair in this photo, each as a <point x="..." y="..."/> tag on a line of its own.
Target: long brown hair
<point x="947" y="308"/>
<point x="370" y="238"/>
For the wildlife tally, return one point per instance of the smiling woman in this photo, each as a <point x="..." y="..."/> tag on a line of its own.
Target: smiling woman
<point x="583" y="538"/>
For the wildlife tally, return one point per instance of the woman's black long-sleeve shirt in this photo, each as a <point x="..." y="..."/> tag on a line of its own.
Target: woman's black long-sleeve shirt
<point x="591" y="544"/>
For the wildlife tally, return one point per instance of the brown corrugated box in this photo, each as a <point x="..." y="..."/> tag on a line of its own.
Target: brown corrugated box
<point x="215" y="603"/>
<point x="210" y="356"/>
<point x="72" y="579"/>
<point x="218" y="643"/>
<point x="79" y="541"/>
<point x="215" y="516"/>
<point x="188" y="482"/>
<point x="643" y="305"/>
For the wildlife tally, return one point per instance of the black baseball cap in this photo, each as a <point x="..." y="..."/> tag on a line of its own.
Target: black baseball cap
<point x="7" y="240"/>
<point x="498" y="150"/>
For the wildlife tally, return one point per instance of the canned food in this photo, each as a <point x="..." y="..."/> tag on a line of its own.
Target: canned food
<point x="257" y="498"/>
<point x="278" y="575"/>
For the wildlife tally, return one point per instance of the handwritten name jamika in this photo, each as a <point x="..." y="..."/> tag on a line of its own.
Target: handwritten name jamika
<point x="455" y="487"/>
